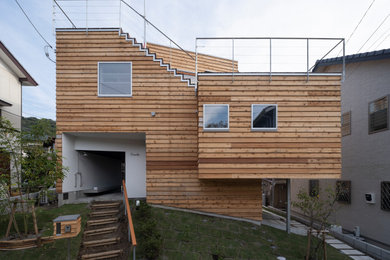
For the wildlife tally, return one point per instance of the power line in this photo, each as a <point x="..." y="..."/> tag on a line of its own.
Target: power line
<point x="384" y="20"/>
<point x="379" y="38"/>
<point x="361" y="19"/>
<point x="383" y="41"/>
<point x="16" y="1"/>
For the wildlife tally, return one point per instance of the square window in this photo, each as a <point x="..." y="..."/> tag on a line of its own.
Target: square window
<point x="343" y="191"/>
<point x="264" y="117"/>
<point x="385" y="195"/>
<point x="378" y="115"/>
<point x="346" y="123"/>
<point x="216" y="117"/>
<point x="114" y="79"/>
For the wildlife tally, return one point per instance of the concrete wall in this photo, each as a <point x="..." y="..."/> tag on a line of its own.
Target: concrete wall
<point x="11" y="92"/>
<point x="132" y="144"/>
<point x="365" y="157"/>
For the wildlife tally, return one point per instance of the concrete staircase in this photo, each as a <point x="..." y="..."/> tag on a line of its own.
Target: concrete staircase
<point x="105" y="236"/>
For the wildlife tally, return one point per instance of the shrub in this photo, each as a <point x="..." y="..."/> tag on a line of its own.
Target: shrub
<point x="148" y="237"/>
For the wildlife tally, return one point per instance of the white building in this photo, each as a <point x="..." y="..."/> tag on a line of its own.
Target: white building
<point x="12" y="78"/>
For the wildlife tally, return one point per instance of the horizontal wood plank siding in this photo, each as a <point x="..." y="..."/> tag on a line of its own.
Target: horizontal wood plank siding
<point x="180" y="60"/>
<point x="171" y="136"/>
<point x="306" y="144"/>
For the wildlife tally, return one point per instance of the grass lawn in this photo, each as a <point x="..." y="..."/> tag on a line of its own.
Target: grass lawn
<point x="191" y="236"/>
<point x="56" y="250"/>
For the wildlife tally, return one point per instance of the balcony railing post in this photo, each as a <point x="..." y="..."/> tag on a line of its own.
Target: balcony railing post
<point x="196" y="65"/>
<point x="270" y="59"/>
<point x="232" y="59"/>
<point x="307" y="59"/>
<point x="343" y="60"/>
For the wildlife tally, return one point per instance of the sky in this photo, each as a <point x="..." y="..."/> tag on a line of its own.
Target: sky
<point x="183" y="21"/>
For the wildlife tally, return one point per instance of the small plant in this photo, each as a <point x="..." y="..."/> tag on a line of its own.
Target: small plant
<point x="317" y="208"/>
<point x="148" y="236"/>
<point x="217" y="253"/>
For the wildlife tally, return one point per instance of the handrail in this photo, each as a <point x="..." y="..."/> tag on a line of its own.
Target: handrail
<point x="129" y="218"/>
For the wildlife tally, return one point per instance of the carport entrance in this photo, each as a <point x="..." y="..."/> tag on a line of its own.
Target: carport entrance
<point x="98" y="162"/>
<point x="103" y="170"/>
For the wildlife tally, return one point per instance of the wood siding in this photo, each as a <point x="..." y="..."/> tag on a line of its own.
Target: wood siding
<point x="307" y="143"/>
<point x="171" y="136"/>
<point x="180" y="60"/>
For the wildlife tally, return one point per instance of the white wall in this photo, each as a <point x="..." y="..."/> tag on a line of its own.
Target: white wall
<point x="11" y="92"/>
<point x="135" y="157"/>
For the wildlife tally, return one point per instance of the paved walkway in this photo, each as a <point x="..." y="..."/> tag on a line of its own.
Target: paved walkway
<point x="276" y="221"/>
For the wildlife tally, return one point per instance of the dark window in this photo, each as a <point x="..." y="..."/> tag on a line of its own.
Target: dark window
<point x="346" y="124"/>
<point x="264" y="117"/>
<point x="385" y="195"/>
<point x="378" y="115"/>
<point x="314" y="188"/>
<point x="343" y="189"/>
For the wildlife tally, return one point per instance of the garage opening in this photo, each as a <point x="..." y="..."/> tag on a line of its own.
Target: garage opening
<point x="100" y="172"/>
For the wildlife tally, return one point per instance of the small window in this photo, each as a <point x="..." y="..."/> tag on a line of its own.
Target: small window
<point x="385" y="195"/>
<point x="378" y="115"/>
<point x="114" y="79"/>
<point x="216" y="117"/>
<point x="314" y="188"/>
<point x="264" y="117"/>
<point x="343" y="191"/>
<point x="346" y="123"/>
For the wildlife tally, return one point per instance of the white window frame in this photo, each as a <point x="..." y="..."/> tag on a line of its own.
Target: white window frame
<point x="260" y="129"/>
<point x="215" y="129"/>
<point x="131" y="79"/>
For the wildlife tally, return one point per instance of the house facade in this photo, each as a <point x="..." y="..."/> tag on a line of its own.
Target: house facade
<point x="364" y="202"/>
<point x="12" y="79"/>
<point x="200" y="141"/>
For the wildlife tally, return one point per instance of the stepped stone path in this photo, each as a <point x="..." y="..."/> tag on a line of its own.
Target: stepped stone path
<point x="105" y="235"/>
<point x="273" y="220"/>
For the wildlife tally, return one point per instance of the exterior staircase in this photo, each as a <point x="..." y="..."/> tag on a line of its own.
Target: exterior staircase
<point x="105" y="235"/>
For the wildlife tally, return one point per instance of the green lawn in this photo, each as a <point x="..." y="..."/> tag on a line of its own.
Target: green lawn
<point x="56" y="250"/>
<point x="191" y="236"/>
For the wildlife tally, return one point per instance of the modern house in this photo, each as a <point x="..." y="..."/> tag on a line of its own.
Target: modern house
<point x="364" y="202"/>
<point x="184" y="133"/>
<point x="12" y="79"/>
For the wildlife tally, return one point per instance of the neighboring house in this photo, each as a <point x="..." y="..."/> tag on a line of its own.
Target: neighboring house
<point x="124" y="111"/>
<point x="12" y="78"/>
<point x="365" y="184"/>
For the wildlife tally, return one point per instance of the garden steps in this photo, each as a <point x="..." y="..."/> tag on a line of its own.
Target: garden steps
<point x="103" y="255"/>
<point x="100" y="231"/>
<point x="102" y="242"/>
<point x="105" y="235"/>
<point x="103" y="221"/>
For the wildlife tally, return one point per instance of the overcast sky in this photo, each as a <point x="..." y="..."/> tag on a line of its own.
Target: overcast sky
<point x="183" y="21"/>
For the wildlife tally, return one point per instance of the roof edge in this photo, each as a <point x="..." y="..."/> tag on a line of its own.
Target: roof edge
<point x="358" y="57"/>
<point x="27" y="77"/>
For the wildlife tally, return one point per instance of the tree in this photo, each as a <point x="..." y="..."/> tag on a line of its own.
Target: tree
<point x="317" y="208"/>
<point x="33" y="167"/>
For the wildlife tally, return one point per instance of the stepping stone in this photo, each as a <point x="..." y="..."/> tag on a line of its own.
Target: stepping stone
<point x="361" y="257"/>
<point x="333" y="241"/>
<point x="341" y="246"/>
<point x="352" y="252"/>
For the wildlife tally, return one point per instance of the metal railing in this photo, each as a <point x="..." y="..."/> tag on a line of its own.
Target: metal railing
<point x="251" y="51"/>
<point x="110" y="14"/>
<point x="131" y="232"/>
